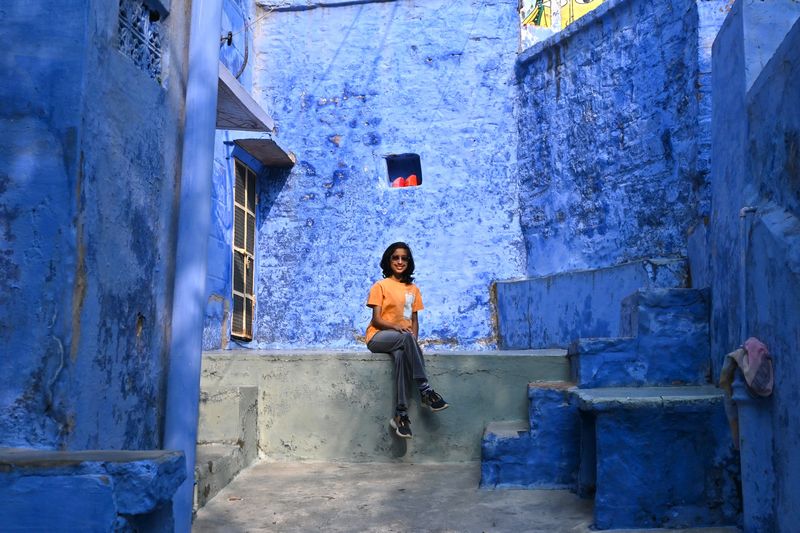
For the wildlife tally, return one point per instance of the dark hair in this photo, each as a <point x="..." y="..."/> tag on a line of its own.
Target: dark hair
<point x="405" y="277"/>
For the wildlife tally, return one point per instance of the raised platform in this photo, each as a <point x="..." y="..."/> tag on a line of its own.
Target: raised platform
<point x="335" y="406"/>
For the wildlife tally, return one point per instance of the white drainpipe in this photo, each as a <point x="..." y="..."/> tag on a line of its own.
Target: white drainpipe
<point x="744" y="242"/>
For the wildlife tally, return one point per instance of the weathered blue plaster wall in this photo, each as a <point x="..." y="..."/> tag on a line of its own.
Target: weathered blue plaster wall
<point x="38" y="168"/>
<point x="89" y="173"/>
<point x="755" y="162"/>
<point x="348" y="85"/>
<point x="613" y="165"/>
<point x="236" y="18"/>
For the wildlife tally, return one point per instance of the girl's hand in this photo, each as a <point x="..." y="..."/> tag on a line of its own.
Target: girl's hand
<point x="401" y="329"/>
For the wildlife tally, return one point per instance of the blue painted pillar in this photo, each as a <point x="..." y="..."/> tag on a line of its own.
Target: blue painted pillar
<point x="183" y="385"/>
<point x="755" y="449"/>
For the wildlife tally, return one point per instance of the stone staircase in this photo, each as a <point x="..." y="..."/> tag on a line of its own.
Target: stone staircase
<point x="638" y="427"/>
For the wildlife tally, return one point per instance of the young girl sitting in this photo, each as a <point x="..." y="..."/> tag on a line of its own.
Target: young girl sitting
<point x="394" y="328"/>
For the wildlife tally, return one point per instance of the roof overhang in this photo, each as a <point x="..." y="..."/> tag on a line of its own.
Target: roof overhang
<point x="236" y="109"/>
<point x="267" y="152"/>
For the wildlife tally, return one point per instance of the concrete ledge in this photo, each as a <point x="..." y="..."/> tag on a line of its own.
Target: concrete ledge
<point x="608" y="399"/>
<point x="93" y="490"/>
<point x="335" y="406"/>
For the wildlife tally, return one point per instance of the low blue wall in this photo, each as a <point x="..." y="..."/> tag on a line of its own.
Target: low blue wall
<point x="552" y="311"/>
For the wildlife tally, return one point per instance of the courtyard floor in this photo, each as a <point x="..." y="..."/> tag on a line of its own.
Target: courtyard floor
<point x="387" y="497"/>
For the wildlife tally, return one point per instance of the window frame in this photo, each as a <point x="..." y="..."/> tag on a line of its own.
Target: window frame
<point x="245" y="247"/>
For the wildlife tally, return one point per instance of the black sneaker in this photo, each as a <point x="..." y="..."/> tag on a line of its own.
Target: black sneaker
<point x="434" y="400"/>
<point x="402" y="426"/>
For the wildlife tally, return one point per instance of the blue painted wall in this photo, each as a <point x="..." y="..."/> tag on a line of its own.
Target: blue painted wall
<point x="613" y="161"/>
<point x="756" y="142"/>
<point x="348" y="85"/>
<point x="88" y="173"/>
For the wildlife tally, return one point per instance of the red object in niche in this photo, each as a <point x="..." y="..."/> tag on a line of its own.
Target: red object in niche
<point x="411" y="181"/>
<point x="399" y="182"/>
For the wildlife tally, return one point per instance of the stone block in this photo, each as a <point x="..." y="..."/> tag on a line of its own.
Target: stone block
<point x="663" y="457"/>
<point x="542" y="453"/>
<point x="94" y="490"/>
<point x="665" y="342"/>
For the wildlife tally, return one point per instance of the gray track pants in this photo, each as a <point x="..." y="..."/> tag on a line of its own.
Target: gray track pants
<point x="408" y="360"/>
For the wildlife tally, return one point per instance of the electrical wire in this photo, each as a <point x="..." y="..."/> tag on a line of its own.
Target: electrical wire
<point x="250" y="25"/>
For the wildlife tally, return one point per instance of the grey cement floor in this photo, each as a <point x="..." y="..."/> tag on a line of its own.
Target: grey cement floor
<point x="386" y="497"/>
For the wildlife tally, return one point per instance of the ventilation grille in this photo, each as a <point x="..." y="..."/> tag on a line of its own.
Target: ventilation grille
<point x="141" y="36"/>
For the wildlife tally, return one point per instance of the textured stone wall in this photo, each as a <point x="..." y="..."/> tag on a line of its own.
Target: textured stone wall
<point x="611" y="163"/>
<point x="348" y="85"/>
<point x="90" y="166"/>
<point x="756" y="142"/>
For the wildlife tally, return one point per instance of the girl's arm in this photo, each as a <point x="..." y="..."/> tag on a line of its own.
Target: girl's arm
<point x="415" y="325"/>
<point x="380" y="323"/>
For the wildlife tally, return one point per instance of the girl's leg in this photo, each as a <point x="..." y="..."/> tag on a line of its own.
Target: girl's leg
<point x="396" y="343"/>
<point x="414" y="358"/>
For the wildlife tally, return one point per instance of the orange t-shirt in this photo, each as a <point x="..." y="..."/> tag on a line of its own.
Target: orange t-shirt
<point x="397" y="300"/>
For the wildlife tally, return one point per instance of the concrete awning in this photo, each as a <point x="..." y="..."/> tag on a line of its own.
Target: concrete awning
<point x="236" y="109"/>
<point x="268" y="152"/>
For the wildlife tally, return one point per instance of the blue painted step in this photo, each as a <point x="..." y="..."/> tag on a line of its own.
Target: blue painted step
<point x="665" y="342"/>
<point x="539" y="453"/>
<point x="660" y="457"/>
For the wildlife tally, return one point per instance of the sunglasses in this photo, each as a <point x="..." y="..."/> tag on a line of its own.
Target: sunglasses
<point x="403" y="258"/>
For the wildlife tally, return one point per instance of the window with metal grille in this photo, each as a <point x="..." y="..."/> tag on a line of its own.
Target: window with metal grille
<point x="244" y="229"/>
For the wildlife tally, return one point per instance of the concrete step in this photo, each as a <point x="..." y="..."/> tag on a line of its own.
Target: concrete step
<point x="227" y="437"/>
<point x="335" y="406"/>
<point x="216" y="465"/>
<point x="657" y="457"/>
<point x="666" y="343"/>
<point x="541" y="452"/>
<point x="229" y="416"/>
<point x="553" y="310"/>
<point x="667" y="314"/>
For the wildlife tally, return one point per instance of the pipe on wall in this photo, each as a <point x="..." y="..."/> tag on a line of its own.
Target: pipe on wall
<point x="194" y="219"/>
